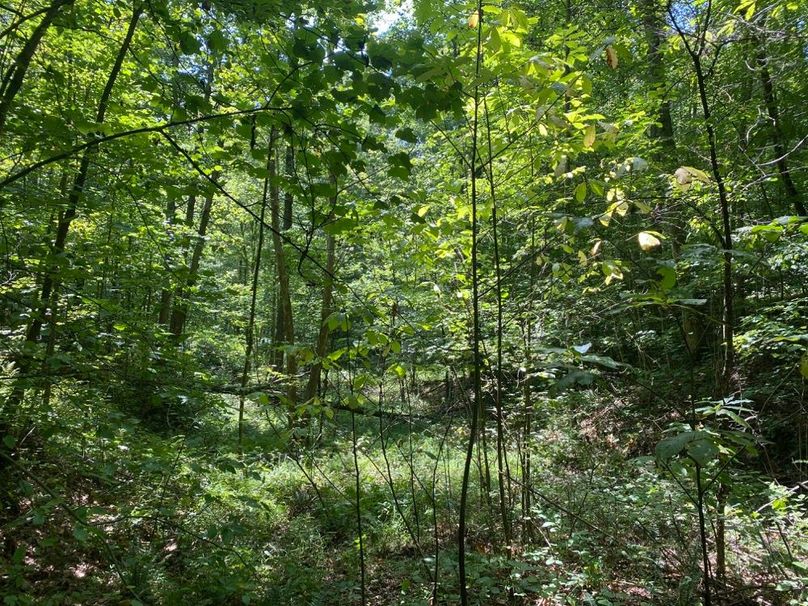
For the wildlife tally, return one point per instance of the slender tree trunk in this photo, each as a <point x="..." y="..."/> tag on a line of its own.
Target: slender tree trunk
<point x="284" y="327"/>
<point x="179" y="315"/>
<point x="652" y="26"/>
<point x="190" y="210"/>
<point x="502" y="462"/>
<point x="728" y="317"/>
<point x="288" y="198"/>
<point x="527" y="503"/>
<point x="726" y="379"/>
<point x="705" y="554"/>
<point x="13" y="78"/>
<point x="475" y="336"/>
<point x="358" y="509"/>
<point x="321" y="348"/>
<point x="721" y="535"/>
<point x="48" y="299"/>
<point x="164" y="312"/>
<point x="249" y="336"/>
<point x="770" y="100"/>
<point x="77" y="191"/>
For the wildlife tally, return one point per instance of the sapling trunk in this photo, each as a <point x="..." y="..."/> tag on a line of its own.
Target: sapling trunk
<point x="475" y="337"/>
<point x="249" y="333"/>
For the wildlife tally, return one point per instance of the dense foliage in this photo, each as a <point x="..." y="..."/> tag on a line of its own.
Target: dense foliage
<point x="493" y="302"/>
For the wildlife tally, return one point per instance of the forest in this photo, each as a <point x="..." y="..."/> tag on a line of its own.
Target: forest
<point x="404" y="302"/>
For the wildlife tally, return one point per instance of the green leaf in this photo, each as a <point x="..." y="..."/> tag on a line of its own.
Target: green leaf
<point x="333" y="321"/>
<point x="217" y="42"/>
<point x="685" y="175"/>
<point x="702" y="450"/>
<point x="735" y="417"/>
<point x="668" y="277"/>
<point x="80" y="533"/>
<point x="400" y="165"/>
<point x="580" y="192"/>
<point x="691" y="301"/>
<point x="670" y="447"/>
<point x="604" y="361"/>
<point x="340" y="226"/>
<point x="189" y="45"/>
<point x="407" y="134"/>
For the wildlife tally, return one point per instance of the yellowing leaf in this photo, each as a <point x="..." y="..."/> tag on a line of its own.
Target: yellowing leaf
<point x="399" y="370"/>
<point x="686" y="174"/>
<point x="648" y="241"/>
<point x="804" y="365"/>
<point x="474" y="20"/>
<point x="683" y="178"/>
<point x="699" y="175"/>
<point x="611" y="57"/>
<point x="589" y="136"/>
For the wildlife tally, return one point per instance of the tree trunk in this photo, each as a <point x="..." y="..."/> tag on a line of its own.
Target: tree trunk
<point x="284" y="327"/>
<point x="249" y="336"/>
<point x="652" y="25"/>
<point x="770" y="100"/>
<point x="12" y="80"/>
<point x="288" y="198"/>
<point x="728" y="317"/>
<point x="179" y="314"/>
<point x="164" y="312"/>
<point x="502" y="461"/>
<point x="321" y="348"/>
<point x="475" y="333"/>
<point x="74" y="198"/>
<point x="48" y="299"/>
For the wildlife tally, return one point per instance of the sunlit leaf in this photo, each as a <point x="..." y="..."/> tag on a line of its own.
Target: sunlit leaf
<point x="589" y="136"/>
<point x="611" y="57"/>
<point x="648" y="241"/>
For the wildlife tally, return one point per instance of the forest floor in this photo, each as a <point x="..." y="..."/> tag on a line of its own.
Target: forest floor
<point x="119" y="513"/>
